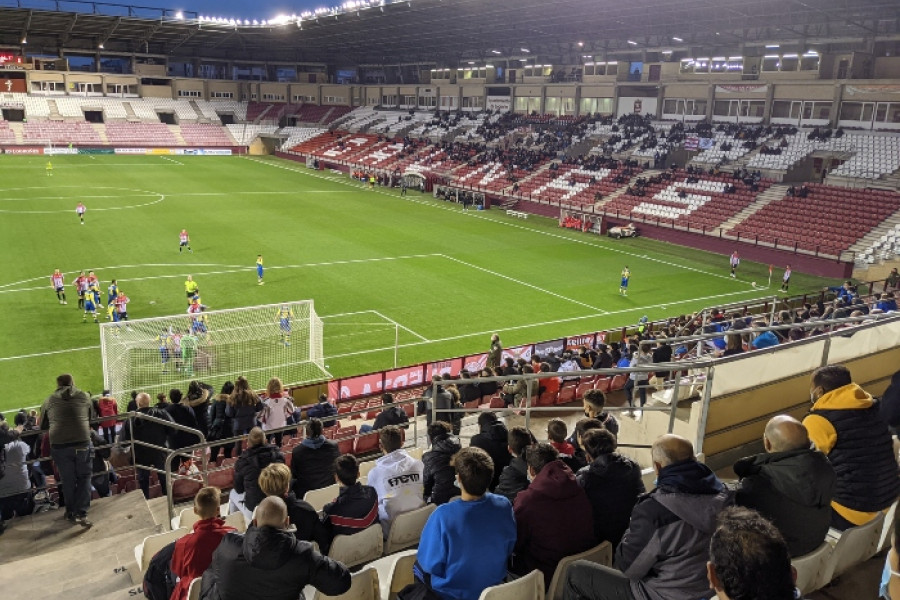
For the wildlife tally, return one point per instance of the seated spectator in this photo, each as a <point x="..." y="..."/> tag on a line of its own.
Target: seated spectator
<point x="579" y="460"/>
<point x="390" y="415"/>
<point x="766" y="339"/>
<point x="268" y="562"/>
<point x="514" y="478"/>
<point x="553" y="516"/>
<point x="556" y="434"/>
<point x="748" y="558"/>
<point x="846" y="425"/>
<point x="397" y="478"/>
<point x="663" y="553"/>
<point x="356" y="506"/>
<point x="275" y="480"/>
<point x="193" y="553"/>
<point x="438" y="474"/>
<point x="889" y="405"/>
<point x="468" y="392"/>
<point x="594" y="403"/>
<point x="791" y="484"/>
<point x="259" y="455"/>
<point x="322" y="410"/>
<point x="548" y="385"/>
<point x="312" y="460"/>
<point x="465" y="545"/>
<point x="612" y="483"/>
<point x="488" y="388"/>
<point x="492" y="438"/>
<point x="16" y="498"/>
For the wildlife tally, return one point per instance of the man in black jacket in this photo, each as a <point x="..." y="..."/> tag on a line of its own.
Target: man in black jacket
<point x="312" y="461"/>
<point x="268" y="562"/>
<point x="257" y="457"/>
<point x="438" y="475"/>
<point x="791" y="484"/>
<point x="390" y="414"/>
<point x="612" y="483"/>
<point x="514" y="477"/>
<point x="493" y="438"/>
<point x="148" y="432"/>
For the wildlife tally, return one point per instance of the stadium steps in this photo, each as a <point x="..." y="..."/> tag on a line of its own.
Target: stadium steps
<point x="18" y="130"/>
<point x="62" y="561"/>
<point x="875" y="234"/>
<point x="775" y="193"/>
<point x="201" y="118"/>
<point x="581" y="148"/>
<point x="130" y="115"/>
<point x="54" y="111"/>
<point x="176" y="131"/>
<point x="100" y="128"/>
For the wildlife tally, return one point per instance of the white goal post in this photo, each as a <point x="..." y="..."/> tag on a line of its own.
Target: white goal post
<point x="214" y="346"/>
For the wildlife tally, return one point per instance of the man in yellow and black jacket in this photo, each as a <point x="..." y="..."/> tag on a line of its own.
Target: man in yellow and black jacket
<point x="845" y="424"/>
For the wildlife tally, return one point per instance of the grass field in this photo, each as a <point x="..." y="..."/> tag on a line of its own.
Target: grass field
<point x="374" y="263"/>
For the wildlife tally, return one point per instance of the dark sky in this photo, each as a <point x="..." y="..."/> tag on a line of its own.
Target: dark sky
<point x="244" y="9"/>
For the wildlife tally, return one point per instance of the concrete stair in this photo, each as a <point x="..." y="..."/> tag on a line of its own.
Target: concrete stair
<point x="130" y="115"/>
<point x="54" y="111"/>
<point x="100" y="128"/>
<point x="176" y="131"/>
<point x="774" y="193"/>
<point x="18" y="130"/>
<point x="874" y="235"/>
<point x="63" y="561"/>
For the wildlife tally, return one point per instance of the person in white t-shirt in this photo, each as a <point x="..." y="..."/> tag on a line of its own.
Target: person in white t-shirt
<point x="397" y="478"/>
<point x="277" y="408"/>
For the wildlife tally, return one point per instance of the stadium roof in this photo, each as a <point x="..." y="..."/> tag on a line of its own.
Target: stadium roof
<point x="446" y="32"/>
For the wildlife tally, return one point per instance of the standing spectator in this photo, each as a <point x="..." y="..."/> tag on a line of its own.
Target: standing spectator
<point x="243" y="407"/>
<point x="108" y="407"/>
<point x="66" y="414"/>
<point x="220" y="426"/>
<point x="846" y="426"/>
<point x="312" y="460"/>
<point x="637" y="380"/>
<point x="198" y="398"/>
<point x="438" y="473"/>
<point x="495" y="352"/>
<point x="749" y="559"/>
<point x="275" y="480"/>
<point x="268" y="562"/>
<point x="193" y="553"/>
<point x="322" y="410"/>
<point x="661" y="354"/>
<point x="594" y="403"/>
<point x="553" y="516"/>
<point x="790" y="483"/>
<point x="16" y="498"/>
<point x="465" y="545"/>
<point x="356" y="506"/>
<point x="492" y="437"/>
<point x="259" y="455"/>
<point x="182" y="414"/>
<point x="148" y="432"/>
<point x="612" y="483"/>
<point x="514" y="478"/>
<point x="663" y="553"/>
<point x="276" y="409"/>
<point x="397" y="478"/>
<point x="893" y="280"/>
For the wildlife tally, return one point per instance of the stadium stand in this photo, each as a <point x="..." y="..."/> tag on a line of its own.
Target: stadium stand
<point x="137" y="134"/>
<point x="196" y="134"/>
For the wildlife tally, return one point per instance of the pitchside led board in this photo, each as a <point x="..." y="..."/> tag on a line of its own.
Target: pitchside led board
<point x="361" y="386"/>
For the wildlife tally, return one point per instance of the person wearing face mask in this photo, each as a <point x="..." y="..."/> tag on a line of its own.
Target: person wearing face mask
<point x="845" y="425"/>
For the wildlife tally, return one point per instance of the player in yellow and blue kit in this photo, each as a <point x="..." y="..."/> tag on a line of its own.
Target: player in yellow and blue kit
<point x="259" y="268"/>
<point x="623" y="286"/>
<point x="90" y="306"/>
<point x="284" y="315"/>
<point x="112" y="292"/>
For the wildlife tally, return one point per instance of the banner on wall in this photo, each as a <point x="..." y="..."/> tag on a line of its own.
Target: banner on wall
<point x="25" y="150"/>
<point x="742" y="89"/>
<point x="573" y="343"/>
<point x="364" y="385"/>
<point x="14" y="86"/>
<point x="444" y="367"/>
<point x="474" y="364"/>
<point x="856" y="90"/>
<point x="516" y="353"/>
<point x="501" y="103"/>
<point x="632" y="105"/>
<point x="405" y="377"/>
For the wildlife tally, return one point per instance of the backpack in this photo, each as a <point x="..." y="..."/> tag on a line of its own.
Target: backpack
<point x="159" y="582"/>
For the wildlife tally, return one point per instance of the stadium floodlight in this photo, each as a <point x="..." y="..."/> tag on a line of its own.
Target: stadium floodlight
<point x="677" y="39"/>
<point x="214" y="346"/>
<point x="179" y="15"/>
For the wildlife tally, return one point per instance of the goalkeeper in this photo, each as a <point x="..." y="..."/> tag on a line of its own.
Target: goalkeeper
<point x="189" y="343"/>
<point x="283" y="315"/>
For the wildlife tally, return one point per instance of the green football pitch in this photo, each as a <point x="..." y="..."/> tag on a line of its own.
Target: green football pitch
<point x="378" y="266"/>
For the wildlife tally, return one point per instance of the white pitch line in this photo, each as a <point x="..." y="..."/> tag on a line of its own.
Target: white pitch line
<point x="39" y="354"/>
<point x="474" y="215"/>
<point x="404" y="328"/>
<point x="525" y="283"/>
<point x="228" y="270"/>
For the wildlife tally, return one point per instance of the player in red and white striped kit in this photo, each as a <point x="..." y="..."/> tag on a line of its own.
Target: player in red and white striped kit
<point x="59" y="286"/>
<point x="184" y="241"/>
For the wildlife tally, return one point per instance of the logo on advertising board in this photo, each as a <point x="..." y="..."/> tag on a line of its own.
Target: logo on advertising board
<point x="30" y="150"/>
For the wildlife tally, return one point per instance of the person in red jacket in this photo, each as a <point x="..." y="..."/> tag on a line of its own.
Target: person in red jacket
<point x="554" y="518"/>
<point x="193" y="553"/>
<point x="108" y="407"/>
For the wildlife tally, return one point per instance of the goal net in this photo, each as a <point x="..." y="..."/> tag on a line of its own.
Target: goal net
<point x="214" y="346"/>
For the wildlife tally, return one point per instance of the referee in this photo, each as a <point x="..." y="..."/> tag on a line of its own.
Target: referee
<point x="191" y="288"/>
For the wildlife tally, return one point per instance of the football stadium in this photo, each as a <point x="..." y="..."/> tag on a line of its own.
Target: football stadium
<point x="432" y="265"/>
